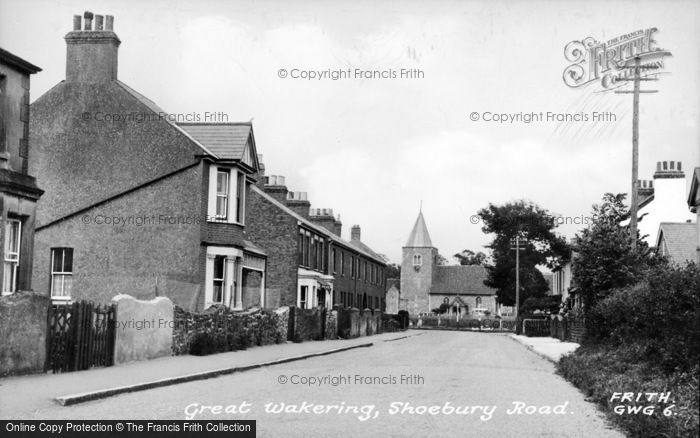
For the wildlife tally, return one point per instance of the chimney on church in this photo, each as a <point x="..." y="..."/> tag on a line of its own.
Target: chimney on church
<point x="355" y="232"/>
<point x="92" y="54"/>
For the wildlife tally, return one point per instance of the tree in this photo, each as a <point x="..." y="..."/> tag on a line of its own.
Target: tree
<point x="441" y="260"/>
<point x="393" y="270"/>
<point x="541" y="246"/>
<point x="469" y="257"/>
<point x="605" y="259"/>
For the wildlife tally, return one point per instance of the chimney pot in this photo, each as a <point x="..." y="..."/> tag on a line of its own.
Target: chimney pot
<point x="88" y="20"/>
<point x="658" y="165"/>
<point x="678" y="165"/>
<point x="665" y="165"/>
<point x="98" y="22"/>
<point x="109" y="22"/>
<point x="77" y="22"/>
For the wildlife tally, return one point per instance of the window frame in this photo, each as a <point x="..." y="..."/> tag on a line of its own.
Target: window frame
<point x="13" y="263"/>
<point x="225" y="195"/>
<point x="221" y="280"/>
<point x="63" y="273"/>
<point x="240" y="196"/>
<point x="419" y="259"/>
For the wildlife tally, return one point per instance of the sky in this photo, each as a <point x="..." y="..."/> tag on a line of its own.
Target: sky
<point x="374" y="149"/>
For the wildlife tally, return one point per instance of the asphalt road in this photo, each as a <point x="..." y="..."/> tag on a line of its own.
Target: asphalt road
<point x="444" y="384"/>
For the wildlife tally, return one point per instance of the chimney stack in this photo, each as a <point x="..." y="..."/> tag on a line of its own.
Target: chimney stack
<point x="298" y="202"/>
<point x="325" y="218"/>
<point x="668" y="169"/>
<point x="645" y="188"/>
<point x="260" y="175"/>
<point x="275" y="186"/>
<point x="92" y="54"/>
<point x="355" y="232"/>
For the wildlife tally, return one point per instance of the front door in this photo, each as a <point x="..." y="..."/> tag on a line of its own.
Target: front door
<point x="321" y="297"/>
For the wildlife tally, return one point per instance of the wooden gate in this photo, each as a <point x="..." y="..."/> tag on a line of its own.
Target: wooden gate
<point x="80" y="335"/>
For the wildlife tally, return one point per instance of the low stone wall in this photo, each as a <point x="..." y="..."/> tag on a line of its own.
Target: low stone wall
<point x="331" y="328"/>
<point x="576" y="329"/>
<point x="374" y="322"/>
<point x="282" y="323"/>
<point x="144" y="329"/>
<point x="308" y="324"/>
<point x="349" y="323"/>
<point x="219" y="329"/>
<point x="23" y="333"/>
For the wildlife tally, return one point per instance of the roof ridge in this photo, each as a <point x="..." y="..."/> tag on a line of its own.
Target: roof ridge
<point x="148" y="103"/>
<point x="314" y="226"/>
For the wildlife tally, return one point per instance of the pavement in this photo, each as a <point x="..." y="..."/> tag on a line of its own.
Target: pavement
<point x="549" y="348"/>
<point x="20" y="395"/>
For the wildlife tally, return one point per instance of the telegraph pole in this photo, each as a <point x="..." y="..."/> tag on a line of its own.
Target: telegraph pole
<point x="515" y="245"/>
<point x="635" y="142"/>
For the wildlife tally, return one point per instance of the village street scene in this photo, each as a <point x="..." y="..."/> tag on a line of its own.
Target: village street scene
<point x="351" y="219"/>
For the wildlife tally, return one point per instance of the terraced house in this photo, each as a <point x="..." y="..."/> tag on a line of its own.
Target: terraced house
<point x="18" y="189"/>
<point x="309" y="264"/>
<point x="137" y="204"/>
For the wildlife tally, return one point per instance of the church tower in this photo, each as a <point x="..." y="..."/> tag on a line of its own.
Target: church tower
<point x="418" y="268"/>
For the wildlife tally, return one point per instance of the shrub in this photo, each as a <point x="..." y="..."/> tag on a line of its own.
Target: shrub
<point x="547" y="304"/>
<point x="601" y="370"/>
<point x="660" y="315"/>
<point x="202" y="344"/>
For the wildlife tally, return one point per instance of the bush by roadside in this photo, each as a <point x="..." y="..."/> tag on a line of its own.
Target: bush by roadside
<point x="645" y="341"/>
<point x="601" y="370"/>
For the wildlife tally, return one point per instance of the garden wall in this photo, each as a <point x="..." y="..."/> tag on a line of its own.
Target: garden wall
<point x="144" y="329"/>
<point x="23" y="332"/>
<point x="220" y="329"/>
<point x="308" y="324"/>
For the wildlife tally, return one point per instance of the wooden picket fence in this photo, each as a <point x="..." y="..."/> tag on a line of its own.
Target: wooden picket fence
<point x="80" y="336"/>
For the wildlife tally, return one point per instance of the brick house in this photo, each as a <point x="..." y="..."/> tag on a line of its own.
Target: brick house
<point x="18" y="190"/>
<point x="309" y="265"/>
<point x="134" y="202"/>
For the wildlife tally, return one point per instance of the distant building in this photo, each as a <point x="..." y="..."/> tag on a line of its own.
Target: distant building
<point x="561" y="281"/>
<point x="425" y="285"/>
<point x="135" y="203"/>
<point x="678" y="242"/>
<point x="694" y="203"/>
<point x="662" y="200"/>
<point x="309" y="264"/>
<point x="18" y="189"/>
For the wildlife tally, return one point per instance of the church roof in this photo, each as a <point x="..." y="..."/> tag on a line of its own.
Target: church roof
<point x="460" y="280"/>
<point x="419" y="238"/>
